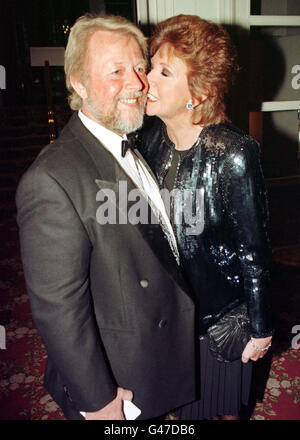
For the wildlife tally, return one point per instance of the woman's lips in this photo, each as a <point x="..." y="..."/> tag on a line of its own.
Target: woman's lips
<point x="151" y="98"/>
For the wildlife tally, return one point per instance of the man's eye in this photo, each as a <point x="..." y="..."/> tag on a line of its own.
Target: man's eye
<point x="141" y="69"/>
<point x="164" y="73"/>
<point x="116" y="72"/>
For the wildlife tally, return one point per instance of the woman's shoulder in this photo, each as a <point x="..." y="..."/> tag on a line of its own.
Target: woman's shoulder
<point x="150" y="135"/>
<point x="225" y="138"/>
<point x="151" y="125"/>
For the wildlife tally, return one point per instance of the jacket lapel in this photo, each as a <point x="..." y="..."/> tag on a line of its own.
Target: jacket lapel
<point x="150" y="230"/>
<point x="117" y="185"/>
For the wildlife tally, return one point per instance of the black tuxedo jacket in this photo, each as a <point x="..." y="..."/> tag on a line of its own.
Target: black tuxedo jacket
<point x="108" y="299"/>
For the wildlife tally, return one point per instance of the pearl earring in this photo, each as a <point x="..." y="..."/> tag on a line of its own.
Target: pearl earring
<point x="190" y="106"/>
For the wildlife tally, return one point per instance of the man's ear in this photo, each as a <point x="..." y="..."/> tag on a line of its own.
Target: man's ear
<point x="78" y="87"/>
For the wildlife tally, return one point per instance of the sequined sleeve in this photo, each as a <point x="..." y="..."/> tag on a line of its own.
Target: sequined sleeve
<point x="246" y="205"/>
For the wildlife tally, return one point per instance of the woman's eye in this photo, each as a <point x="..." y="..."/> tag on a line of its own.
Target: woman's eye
<point x="164" y="73"/>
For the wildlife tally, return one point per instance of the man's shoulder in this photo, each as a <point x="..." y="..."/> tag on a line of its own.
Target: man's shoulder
<point x="54" y="157"/>
<point x="57" y="161"/>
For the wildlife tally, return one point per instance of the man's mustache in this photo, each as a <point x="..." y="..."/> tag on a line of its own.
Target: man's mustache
<point x="135" y="95"/>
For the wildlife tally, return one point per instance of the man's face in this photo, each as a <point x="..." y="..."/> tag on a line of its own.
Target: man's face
<point x="116" y="87"/>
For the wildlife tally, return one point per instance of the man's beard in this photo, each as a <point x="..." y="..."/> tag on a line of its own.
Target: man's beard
<point x="115" y="119"/>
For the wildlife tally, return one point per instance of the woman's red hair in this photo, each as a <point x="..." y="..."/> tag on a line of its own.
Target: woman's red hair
<point x="210" y="57"/>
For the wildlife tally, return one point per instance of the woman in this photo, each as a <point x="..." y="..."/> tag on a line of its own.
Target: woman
<point x="223" y="243"/>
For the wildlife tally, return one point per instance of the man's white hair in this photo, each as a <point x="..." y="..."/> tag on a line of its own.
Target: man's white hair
<point x="76" y="50"/>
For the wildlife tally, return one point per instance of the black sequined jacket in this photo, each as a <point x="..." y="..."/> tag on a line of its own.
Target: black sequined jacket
<point x="221" y="223"/>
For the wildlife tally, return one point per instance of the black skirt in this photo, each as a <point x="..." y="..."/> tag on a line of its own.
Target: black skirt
<point x="224" y="387"/>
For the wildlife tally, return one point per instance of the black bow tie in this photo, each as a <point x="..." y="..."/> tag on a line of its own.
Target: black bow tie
<point x="129" y="143"/>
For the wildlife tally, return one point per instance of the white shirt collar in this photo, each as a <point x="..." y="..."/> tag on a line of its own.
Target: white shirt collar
<point x="111" y="141"/>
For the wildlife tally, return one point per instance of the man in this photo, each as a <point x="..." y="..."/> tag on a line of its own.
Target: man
<point x="106" y="296"/>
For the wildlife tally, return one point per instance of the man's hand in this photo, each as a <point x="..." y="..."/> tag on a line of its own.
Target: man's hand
<point x="114" y="409"/>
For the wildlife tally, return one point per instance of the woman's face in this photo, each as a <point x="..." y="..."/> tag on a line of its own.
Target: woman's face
<point x="168" y="86"/>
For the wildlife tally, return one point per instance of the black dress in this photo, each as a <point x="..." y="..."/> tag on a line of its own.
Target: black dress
<point x="223" y="387"/>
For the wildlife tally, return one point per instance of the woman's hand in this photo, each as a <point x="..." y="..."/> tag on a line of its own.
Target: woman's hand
<point x="252" y="352"/>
